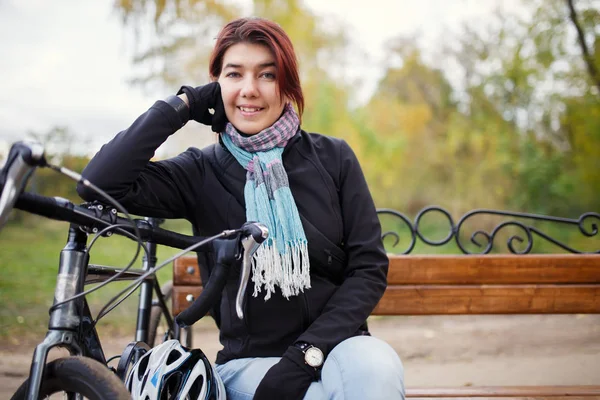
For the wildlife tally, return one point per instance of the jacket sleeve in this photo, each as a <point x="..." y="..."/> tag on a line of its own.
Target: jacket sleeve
<point x="365" y="277"/>
<point x="122" y="168"/>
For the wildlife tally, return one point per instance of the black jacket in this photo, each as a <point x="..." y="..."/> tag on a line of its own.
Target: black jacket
<point x="330" y="192"/>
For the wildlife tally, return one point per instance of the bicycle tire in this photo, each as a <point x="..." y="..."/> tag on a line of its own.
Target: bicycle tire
<point x="81" y="375"/>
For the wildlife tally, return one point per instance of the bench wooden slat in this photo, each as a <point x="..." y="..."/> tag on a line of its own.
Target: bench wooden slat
<point x="567" y="397"/>
<point x="482" y="397"/>
<point x="473" y="299"/>
<point x="509" y="268"/>
<point x="504" y="391"/>
<point x="489" y="299"/>
<point x="179" y="298"/>
<point x="462" y="270"/>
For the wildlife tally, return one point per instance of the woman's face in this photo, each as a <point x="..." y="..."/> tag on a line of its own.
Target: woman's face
<point x="249" y="87"/>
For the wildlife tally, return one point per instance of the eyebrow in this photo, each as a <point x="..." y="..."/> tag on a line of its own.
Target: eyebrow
<point x="263" y="65"/>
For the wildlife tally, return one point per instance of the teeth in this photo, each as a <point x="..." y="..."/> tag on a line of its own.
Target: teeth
<point x="249" y="109"/>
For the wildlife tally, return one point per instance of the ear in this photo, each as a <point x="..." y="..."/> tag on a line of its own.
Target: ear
<point x="213" y="78"/>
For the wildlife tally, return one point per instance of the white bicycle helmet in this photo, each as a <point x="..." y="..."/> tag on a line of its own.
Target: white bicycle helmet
<point x="171" y="371"/>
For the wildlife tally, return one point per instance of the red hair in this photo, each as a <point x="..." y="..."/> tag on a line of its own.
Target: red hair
<point x="267" y="33"/>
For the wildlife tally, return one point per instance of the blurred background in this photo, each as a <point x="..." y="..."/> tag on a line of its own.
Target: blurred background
<point x="459" y="103"/>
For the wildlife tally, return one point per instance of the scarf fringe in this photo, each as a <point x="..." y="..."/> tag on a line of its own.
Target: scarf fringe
<point x="288" y="270"/>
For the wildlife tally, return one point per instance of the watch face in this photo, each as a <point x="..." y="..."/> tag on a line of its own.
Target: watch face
<point x="313" y="357"/>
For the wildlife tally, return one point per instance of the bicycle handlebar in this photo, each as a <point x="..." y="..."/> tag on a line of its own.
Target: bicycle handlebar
<point x="63" y="210"/>
<point x="21" y="161"/>
<point x="23" y="158"/>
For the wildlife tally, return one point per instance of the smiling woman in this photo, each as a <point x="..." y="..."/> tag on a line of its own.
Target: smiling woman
<point x="256" y="66"/>
<point x="249" y="88"/>
<point x="323" y="269"/>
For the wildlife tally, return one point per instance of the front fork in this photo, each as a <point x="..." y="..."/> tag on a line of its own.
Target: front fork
<point x="70" y="324"/>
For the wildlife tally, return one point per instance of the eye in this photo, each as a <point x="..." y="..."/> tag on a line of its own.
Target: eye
<point x="232" y="74"/>
<point x="268" y="75"/>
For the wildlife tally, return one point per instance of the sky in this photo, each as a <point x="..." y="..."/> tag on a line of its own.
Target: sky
<point x="66" y="63"/>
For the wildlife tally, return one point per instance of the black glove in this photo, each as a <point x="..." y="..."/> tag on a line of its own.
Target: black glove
<point x="289" y="379"/>
<point x="201" y="99"/>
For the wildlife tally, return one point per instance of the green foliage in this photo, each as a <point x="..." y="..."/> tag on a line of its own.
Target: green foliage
<point x="540" y="179"/>
<point x="519" y="132"/>
<point x="29" y="264"/>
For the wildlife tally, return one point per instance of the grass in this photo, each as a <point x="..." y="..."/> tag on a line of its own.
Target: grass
<point x="29" y="256"/>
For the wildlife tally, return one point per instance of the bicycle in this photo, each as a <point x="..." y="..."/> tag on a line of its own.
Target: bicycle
<point x="150" y="311"/>
<point x="85" y="372"/>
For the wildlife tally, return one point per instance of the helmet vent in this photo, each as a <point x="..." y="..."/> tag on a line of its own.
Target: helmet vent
<point x="173" y="356"/>
<point x="142" y="367"/>
<point x="197" y="385"/>
<point x="171" y="386"/>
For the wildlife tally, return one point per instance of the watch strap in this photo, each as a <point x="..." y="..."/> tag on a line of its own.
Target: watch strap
<point x="302" y="346"/>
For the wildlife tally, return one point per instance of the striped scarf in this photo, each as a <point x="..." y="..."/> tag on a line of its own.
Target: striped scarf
<point x="282" y="259"/>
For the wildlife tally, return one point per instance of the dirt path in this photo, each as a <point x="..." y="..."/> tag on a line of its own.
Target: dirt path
<point x="451" y="351"/>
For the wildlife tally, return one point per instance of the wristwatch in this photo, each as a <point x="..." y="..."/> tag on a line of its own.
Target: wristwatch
<point x="313" y="356"/>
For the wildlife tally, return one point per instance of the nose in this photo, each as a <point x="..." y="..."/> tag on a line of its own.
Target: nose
<point x="249" y="88"/>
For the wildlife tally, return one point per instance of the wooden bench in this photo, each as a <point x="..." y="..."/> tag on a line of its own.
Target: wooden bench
<point x="472" y="284"/>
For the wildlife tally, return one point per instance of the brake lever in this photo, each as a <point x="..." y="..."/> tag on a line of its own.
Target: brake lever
<point x="254" y="234"/>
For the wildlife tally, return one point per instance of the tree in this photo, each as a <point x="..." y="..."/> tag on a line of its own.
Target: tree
<point x="181" y="35"/>
<point x="589" y="57"/>
<point x="525" y="79"/>
<point x="402" y="129"/>
<point x="58" y="145"/>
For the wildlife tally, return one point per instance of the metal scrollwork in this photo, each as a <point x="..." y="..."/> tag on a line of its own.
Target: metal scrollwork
<point x="420" y="216"/>
<point x="517" y="243"/>
<point x="396" y="235"/>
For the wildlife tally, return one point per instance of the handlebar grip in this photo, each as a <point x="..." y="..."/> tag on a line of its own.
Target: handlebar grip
<point x="22" y="159"/>
<point x="51" y="207"/>
<point x="227" y="252"/>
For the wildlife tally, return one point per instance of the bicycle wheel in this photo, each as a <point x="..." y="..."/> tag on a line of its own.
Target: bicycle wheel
<point x="156" y="317"/>
<point x="81" y="375"/>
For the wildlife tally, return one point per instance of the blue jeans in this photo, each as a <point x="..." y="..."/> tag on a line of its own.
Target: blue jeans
<point x="362" y="367"/>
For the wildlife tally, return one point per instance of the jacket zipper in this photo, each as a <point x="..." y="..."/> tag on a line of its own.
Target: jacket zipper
<point x="306" y="313"/>
<point x="331" y="257"/>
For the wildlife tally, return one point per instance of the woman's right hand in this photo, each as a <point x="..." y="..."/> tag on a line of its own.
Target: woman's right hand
<point x="202" y="98"/>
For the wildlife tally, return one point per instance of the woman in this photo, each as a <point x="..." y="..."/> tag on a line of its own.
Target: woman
<point x="324" y="268"/>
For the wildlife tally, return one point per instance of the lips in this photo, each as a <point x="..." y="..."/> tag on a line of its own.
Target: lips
<point x="249" y="111"/>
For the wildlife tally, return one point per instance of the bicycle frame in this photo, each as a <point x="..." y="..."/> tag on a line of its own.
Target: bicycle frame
<point x="70" y="325"/>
